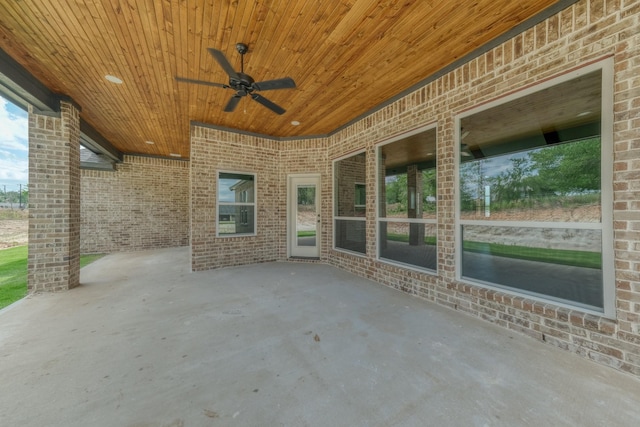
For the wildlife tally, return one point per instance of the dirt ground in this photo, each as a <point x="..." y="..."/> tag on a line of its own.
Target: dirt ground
<point x="14" y="231"/>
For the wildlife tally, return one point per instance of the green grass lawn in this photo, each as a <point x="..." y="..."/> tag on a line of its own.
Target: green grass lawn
<point x="306" y="233"/>
<point x="396" y="237"/>
<point x="13" y="273"/>
<point x="553" y="256"/>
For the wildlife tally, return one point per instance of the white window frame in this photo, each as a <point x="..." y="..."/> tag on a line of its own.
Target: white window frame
<point x="253" y="204"/>
<point x="404" y="220"/>
<point x="606" y="66"/>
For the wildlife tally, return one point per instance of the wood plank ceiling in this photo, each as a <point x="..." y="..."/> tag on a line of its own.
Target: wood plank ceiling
<point x="346" y="57"/>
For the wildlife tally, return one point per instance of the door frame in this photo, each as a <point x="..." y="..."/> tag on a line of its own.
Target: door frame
<point x="292" y="210"/>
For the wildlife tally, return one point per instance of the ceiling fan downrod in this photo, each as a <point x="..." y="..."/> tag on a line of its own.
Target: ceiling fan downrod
<point x="242" y="49"/>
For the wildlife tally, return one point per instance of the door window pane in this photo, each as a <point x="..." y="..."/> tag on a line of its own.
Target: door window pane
<point x="306" y="222"/>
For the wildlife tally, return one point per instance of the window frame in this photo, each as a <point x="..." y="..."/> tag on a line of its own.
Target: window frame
<point x="379" y="219"/>
<point x="606" y="67"/>
<point x="336" y="217"/>
<point x="253" y="204"/>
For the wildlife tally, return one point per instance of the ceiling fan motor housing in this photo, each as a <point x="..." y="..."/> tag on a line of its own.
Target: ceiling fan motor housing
<point x="244" y="82"/>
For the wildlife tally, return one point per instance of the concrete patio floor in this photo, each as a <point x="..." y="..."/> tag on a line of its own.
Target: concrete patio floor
<point x="145" y="342"/>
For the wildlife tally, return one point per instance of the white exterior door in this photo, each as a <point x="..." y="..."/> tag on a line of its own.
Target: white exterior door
<point x="304" y="216"/>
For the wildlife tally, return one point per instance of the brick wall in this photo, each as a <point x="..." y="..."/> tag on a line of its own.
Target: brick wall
<point x="213" y="151"/>
<point x="54" y="200"/>
<point x="307" y="157"/>
<point x="144" y="204"/>
<point x="585" y="32"/>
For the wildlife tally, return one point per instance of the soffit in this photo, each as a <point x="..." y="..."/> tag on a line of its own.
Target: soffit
<point x="347" y="57"/>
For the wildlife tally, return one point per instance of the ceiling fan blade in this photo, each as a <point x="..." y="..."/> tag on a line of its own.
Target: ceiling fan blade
<point x="224" y="63"/>
<point x="232" y="104"/>
<point x="270" y="105"/>
<point x="200" y="82"/>
<point x="284" y="83"/>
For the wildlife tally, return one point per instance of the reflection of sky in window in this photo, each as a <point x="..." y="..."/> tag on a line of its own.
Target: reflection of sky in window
<point x="497" y="165"/>
<point x="225" y="194"/>
<point x="492" y="167"/>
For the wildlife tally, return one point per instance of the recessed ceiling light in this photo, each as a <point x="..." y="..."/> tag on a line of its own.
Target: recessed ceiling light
<point x="584" y="113"/>
<point x="174" y="155"/>
<point x="150" y="142"/>
<point x="113" y="79"/>
<point x="295" y="123"/>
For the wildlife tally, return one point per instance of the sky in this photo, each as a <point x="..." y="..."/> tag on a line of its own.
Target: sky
<point x="14" y="143"/>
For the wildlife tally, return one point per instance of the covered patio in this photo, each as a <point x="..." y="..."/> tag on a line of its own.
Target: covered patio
<point x="143" y="341"/>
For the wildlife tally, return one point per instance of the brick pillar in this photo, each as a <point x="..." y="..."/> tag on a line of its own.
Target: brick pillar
<point x="54" y="200"/>
<point x="414" y="204"/>
<point x="382" y="201"/>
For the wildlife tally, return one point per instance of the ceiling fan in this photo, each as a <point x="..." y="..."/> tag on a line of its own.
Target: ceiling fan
<point x="243" y="83"/>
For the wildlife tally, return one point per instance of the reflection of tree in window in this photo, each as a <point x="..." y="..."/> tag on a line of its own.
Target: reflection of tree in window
<point x="560" y="176"/>
<point x="306" y="196"/>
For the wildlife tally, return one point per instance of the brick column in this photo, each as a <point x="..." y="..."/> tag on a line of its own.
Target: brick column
<point x="54" y="200"/>
<point x="414" y="204"/>
<point x="382" y="201"/>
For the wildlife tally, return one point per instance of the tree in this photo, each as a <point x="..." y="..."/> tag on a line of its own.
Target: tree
<point x="306" y="195"/>
<point x="396" y="189"/>
<point x="567" y="168"/>
<point x="429" y="189"/>
<point x="470" y="173"/>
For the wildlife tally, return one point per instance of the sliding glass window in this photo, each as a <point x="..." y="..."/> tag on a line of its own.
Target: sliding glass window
<point x="350" y="203"/>
<point x="407" y="200"/>
<point x="533" y="214"/>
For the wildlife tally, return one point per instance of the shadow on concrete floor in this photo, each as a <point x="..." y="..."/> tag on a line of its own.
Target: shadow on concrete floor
<point x="145" y="342"/>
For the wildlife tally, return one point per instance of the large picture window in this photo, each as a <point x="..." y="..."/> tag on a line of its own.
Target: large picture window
<point x="532" y="174"/>
<point x="407" y="200"/>
<point x="350" y="203"/>
<point x="236" y="204"/>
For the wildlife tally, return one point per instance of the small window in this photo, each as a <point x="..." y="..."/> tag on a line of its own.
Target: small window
<point x="236" y="204"/>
